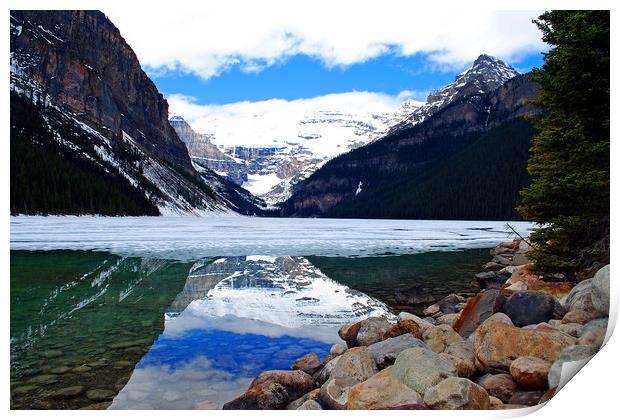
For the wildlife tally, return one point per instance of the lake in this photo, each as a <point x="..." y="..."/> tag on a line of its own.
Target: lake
<point x="182" y="313"/>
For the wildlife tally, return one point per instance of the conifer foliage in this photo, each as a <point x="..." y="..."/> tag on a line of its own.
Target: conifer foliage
<point x="569" y="159"/>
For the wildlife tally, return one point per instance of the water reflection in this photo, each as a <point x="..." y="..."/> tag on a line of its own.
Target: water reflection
<point x="92" y="329"/>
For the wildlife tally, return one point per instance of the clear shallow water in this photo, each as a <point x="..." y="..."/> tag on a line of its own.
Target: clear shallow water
<point x="155" y="332"/>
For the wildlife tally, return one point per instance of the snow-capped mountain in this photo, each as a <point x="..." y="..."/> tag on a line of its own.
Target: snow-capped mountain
<point x="486" y="74"/>
<point x="282" y="152"/>
<point x="273" y="153"/>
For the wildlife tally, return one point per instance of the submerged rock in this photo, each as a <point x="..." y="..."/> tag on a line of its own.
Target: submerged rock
<point x="66" y="393"/>
<point x="100" y="394"/>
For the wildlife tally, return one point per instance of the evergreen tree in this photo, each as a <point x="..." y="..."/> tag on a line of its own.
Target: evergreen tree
<point x="569" y="159"/>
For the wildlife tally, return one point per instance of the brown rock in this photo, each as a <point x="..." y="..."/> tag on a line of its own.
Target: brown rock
<point x="495" y="403"/>
<point x="477" y="310"/>
<point x="349" y="333"/>
<point x="496" y="345"/>
<point x="310" y="396"/>
<point x="268" y="395"/>
<point x="381" y="391"/>
<point x="309" y="363"/>
<point x="555" y="289"/>
<point x="457" y="393"/>
<point x="530" y="372"/>
<point x="296" y="382"/>
<point x="527" y="398"/>
<point x="405" y="326"/>
<point x="578" y="316"/>
<point x="501" y="386"/>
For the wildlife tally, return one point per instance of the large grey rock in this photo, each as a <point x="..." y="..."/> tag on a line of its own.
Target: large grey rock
<point x="323" y="374"/>
<point x="593" y="333"/>
<point x="386" y="351"/>
<point x="354" y="367"/>
<point x="334" y="394"/>
<point x="310" y="405"/>
<point x="462" y="357"/>
<point x="457" y="393"/>
<point x="420" y="369"/>
<point x="371" y="330"/>
<point x="580" y="298"/>
<point x="600" y="290"/>
<point x="296" y="382"/>
<point x="381" y="391"/>
<point x="310" y="396"/>
<point x="525" y="308"/>
<point x="569" y="354"/>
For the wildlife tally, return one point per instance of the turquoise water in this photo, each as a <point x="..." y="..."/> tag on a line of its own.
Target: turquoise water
<point x="98" y="330"/>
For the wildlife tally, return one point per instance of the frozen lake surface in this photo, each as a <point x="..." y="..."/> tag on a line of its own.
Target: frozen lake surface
<point x="185" y="238"/>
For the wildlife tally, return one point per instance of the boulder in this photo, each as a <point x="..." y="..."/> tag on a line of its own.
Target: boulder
<point x="310" y="405"/>
<point x="309" y="363"/>
<point x="385" y="352"/>
<point x="495" y="403"/>
<point x="323" y="374"/>
<point x="334" y="394"/>
<point x="496" y="344"/>
<point x="580" y="298"/>
<point x="457" y="393"/>
<point x="337" y="350"/>
<point x="600" y="290"/>
<point x="296" y="382"/>
<point x="501" y="386"/>
<point x="420" y="369"/>
<point x="477" y="310"/>
<point x="423" y="324"/>
<point x="439" y="337"/>
<point x="493" y="266"/>
<point x="593" y="333"/>
<point x="525" y="308"/>
<point x="448" y="319"/>
<point x="349" y="333"/>
<point x="499" y="317"/>
<point x="528" y="398"/>
<point x="448" y="304"/>
<point x="405" y="326"/>
<point x="310" y="396"/>
<point x="268" y="395"/>
<point x="558" y="290"/>
<point x="568" y="354"/>
<point x="578" y="316"/>
<point x="354" y="367"/>
<point x="371" y="330"/>
<point x="573" y="328"/>
<point x="381" y="391"/>
<point x="462" y="357"/>
<point x="530" y="373"/>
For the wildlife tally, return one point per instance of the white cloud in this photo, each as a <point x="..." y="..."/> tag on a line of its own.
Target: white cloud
<point x="253" y="35"/>
<point x="275" y="121"/>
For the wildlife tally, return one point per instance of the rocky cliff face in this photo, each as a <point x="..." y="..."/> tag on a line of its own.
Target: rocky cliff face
<point x="80" y="60"/>
<point x="83" y="77"/>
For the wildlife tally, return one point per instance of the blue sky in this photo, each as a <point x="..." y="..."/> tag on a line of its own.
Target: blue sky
<point x="302" y="76"/>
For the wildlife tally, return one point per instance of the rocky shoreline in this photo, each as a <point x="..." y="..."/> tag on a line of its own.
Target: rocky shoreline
<point x="500" y="349"/>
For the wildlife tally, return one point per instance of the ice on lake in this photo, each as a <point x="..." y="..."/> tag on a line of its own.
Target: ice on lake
<point x="186" y="238"/>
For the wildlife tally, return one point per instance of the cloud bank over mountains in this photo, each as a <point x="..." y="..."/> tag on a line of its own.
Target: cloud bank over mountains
<point x="208" y="40"/>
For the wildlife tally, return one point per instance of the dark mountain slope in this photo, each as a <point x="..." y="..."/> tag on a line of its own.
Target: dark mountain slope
<point x="380" y="180"/>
